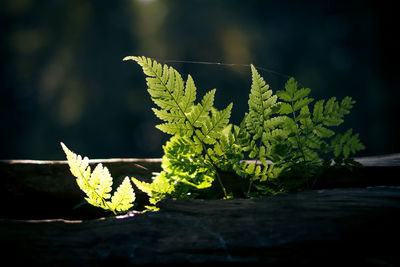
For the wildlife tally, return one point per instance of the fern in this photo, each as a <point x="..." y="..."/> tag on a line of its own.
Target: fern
<point x="283" y="133"/>
<point x="260" y="131"/>
<point x="312" y="131"/>
<point x="184" y="172"/>
<point x="201" y="123"/>
<point x="281" y="129"/>
<point x="97" y="185"/>
<point x="288" y="137"/>
<point x="176" y="102"/>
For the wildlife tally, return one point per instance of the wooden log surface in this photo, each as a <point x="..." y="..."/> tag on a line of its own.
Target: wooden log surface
<point x="46" y="189"/>
<point x="356" y="226"/>
<point x="326" y="226"/>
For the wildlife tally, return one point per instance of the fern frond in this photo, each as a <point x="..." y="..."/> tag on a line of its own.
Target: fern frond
<point x="189" y="96"/>
<point x="97" y="185"/>
<point x="346" y="144"/>
<point x="176" y="101"/>
<point x="262" y="105"/>
<point x="212" y="127"/>
<point x="79" y="167"/>
<point x="167" y="90"/>
<point x="201" y="111"/>
<point x="157" y="190"/>
<point x="124" y="197"/>
<point x="184" y="129"/>
<point x="262" y="127"/>
<point x="182" y="163"/>
<point x="100" y="182"/>
<point x="318" y="113"/>
<point x="282" y="128"/>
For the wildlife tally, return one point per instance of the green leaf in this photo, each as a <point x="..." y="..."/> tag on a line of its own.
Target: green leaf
<point x="124" y="197"/>
<point x="214" y="126"/>
<point x="285" y="96"/>
<point x="291" y="87"/>
<point x="323" y="132"/>
<point x="190" y="95"/>
<point x="318" y="115"/>
<point x="285" y="108"/>
<point x="346" y="144"/>
<point x="97" y="185"/>
<point x="299" y="104"/>
<point x="301" y="93"/>
<point x="176" y="128"/>
<point x="101" y="181"/>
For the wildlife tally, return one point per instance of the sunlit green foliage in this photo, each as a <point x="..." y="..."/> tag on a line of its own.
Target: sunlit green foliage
<point x="200" y="131"/>
<point x="97" y="185"/>
<point x="176" y="101"/>
<point x="282" y="134"/>
<point x="279" y="133"/>
<point x="282" y="142"/>
<point x="184" y="171"/>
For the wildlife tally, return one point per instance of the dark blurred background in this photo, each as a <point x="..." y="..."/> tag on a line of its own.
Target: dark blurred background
<point x="62" y="76"/>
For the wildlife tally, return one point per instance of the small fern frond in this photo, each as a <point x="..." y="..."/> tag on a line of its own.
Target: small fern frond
<point x="201" y="111"/>
<point x="79" y="166"/>
<point x="184" y="129"/>
<point x="167" y="90"/>
<point x="346" y="144"/>
<point x="157" y="190"/>
<point x="97" y="185"/>
<point x="124" y="197"/>
<point x="100" y="183"/>
<point x="190" y="95"/>
<point x="212" y="127"/>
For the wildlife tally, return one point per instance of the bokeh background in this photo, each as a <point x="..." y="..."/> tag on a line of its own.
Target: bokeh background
<point x="62" y="77"/>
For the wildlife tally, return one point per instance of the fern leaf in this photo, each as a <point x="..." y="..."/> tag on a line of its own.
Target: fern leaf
<point x="345" y="105"/>
<point x="158" y="189"/>
<point x="170" y="116"/>
<point x="301" y="93"/>
<point x="330" y="107"/>
<point x="79" y="167"/>
<point x="285" y="108"/>
<point x="190" y="95"/>
<point x="323" y="132"/>
<point x="176" y="128"/>
<point x="299" y="104"/>
<point x="318" y="111"/>
<point x="284" y="95"/>
<point x="212" y="127"/>
<point x="167" y="89"/>
<point x="346" y="144"/>
<point x="261" y="103"/>
<point x="201" y="111"/>
<point x="97" y="185"/>
<point x="124" y="197"/>
<point x="288" y="94"/>
<point x="101" y="181"/>
<point x="176" y="101"/>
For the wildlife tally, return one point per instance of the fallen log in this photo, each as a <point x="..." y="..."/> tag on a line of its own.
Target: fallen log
<point x="324" y="226"/>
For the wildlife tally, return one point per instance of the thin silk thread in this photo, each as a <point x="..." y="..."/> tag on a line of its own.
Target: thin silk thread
<point x="225" y="64"/>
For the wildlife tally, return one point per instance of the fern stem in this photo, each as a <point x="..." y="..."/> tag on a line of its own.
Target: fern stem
<point x="252" y="178"/>
<point x="299" y="144"/>
<point x="251" y="181"/>
<point x="215" y="168"/>
<point x="220" y="181"/>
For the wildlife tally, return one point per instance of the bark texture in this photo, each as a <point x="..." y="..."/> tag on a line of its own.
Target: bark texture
<point x="325" y="226"/>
